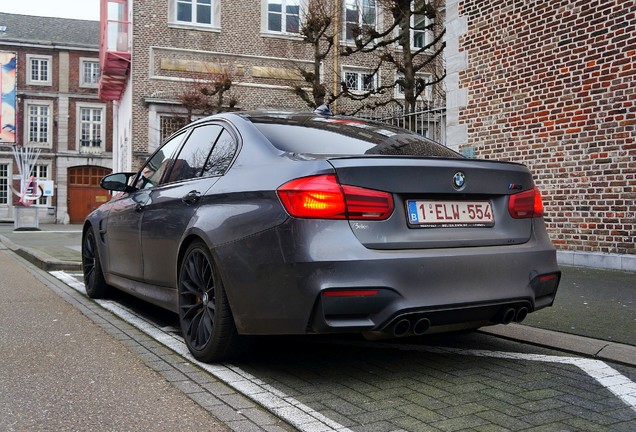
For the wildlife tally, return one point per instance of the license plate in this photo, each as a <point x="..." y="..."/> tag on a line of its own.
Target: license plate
<point x="429" y="213"/>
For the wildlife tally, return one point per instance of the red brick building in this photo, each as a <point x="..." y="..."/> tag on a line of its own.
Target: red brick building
<point x="552" y="84"/>
<point x="58" y="113"/>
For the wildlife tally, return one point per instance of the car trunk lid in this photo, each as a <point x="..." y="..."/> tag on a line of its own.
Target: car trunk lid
<point x="439" y="203"/>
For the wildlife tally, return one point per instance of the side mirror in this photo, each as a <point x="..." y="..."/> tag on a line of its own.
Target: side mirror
<point x="117" y="182"/>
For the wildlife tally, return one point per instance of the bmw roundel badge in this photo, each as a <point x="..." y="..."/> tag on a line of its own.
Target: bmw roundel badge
<point x="459" y="179"/>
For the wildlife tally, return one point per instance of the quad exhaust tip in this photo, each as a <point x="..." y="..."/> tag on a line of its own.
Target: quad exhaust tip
<point x="521" y="314"/>
<point x="511" y="314"/>
<point x="417" y="325"/>
<point x="421" y="326"/>
<point x="414" y="325"/>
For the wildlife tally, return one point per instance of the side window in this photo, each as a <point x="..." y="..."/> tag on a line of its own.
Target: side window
<point x="221" y="155"/>
<point x="195" y="152"/>
<point x="156" y="166"/>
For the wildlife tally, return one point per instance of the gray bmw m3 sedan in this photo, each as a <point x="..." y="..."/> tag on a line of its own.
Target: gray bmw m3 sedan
<point x="277" y="223"/>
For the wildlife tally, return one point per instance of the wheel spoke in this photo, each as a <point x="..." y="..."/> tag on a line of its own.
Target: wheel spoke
<point x="90" y="275"/>
<point x="191" y="269"/>
<point x="204" y="329"/>
<point x="191" y="288"/>
<point x="190" y="311"/>
<point x="194" y="329"/>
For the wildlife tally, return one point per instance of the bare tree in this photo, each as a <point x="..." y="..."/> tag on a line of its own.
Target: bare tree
<point x="206" y="94"/>
<point x="412" y="21"/>
<point x="316" y="29"/>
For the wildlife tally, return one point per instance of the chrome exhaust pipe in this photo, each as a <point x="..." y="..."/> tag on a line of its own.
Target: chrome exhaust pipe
<point x="421" y="326"/>
<point x="401" y="328"/>
<point x="522" y="313"/>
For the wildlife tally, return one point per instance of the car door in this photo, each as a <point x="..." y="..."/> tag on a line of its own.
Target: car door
<point x="123" y="229"/>
<point x="173" y="204"/>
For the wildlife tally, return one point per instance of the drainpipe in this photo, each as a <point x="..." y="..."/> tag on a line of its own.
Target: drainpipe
<point x="336" y="52"/>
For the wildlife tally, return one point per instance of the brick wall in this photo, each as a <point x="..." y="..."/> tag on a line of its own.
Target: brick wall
<point x="552" y="84"/>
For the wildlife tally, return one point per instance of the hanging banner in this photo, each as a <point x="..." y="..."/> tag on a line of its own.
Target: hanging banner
<point x="8" y="97"/>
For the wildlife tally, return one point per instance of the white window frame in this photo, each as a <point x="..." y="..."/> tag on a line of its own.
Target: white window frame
<point x="49" y="123"/>
<point x="360" y="72"/>
<point x="427" y="33"/>
<point x="215" y="15"/>
<point x="428" y="91"/>
<point x="48" y="61"/>
<point x="360" y="22"/>
<point x="9" y="166"/>
<point x="37" y="171"/>
<point x="82" y="64"/>
<point x="92" y="149"/>
<point x="265" y="18"/>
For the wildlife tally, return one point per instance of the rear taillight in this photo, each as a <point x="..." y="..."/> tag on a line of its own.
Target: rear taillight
<point x="322" y="197"/>
<point x="526" y="204"/>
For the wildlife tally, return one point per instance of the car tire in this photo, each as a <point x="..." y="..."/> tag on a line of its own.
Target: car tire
<point x="94" y="282"/>
<point x="205" y="317"/>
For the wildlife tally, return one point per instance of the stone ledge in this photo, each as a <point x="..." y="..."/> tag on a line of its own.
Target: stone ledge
<point x="597" y="260"/>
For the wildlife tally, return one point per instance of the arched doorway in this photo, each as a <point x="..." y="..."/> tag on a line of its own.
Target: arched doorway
<point x="84" y="192"/>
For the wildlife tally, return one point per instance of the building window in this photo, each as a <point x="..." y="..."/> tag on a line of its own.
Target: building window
<point x="39" y="70"/>
<point x="91" y="126"/>
<point x="359" y="14"/>
<point x="169" y="124"/>
<point x="39" y="123"/>
<point x="89" y="72"/>
<point x="421" y="87"/>
<point x="419" y="23"/>
<point x="195" y="12"/>
<point x="42" y="172"/>
<point x="4" y="184"/>
<point x="360" y="81"/>
<point x="283" y="16"/>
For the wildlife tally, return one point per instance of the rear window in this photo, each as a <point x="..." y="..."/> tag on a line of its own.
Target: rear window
<point x="342" y="136"/>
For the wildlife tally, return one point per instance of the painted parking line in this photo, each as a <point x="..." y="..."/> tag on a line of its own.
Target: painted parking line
<point x="285" y="407"/>
<point x="299" y="414"/>
<point x="605" y="375"/>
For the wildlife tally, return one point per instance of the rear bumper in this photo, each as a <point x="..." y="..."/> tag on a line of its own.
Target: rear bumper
<point x="280" y="290"/>
<point x="357" y="311"/>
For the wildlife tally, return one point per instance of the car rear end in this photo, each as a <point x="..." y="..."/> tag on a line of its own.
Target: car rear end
<point x="405" y="237"/>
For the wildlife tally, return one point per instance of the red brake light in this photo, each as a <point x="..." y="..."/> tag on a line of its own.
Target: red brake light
<point x="322" y="197"/>
<point x="526" y="204"/>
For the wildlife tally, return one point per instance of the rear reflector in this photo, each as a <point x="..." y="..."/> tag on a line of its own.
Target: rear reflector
<point x="526" y="204"/>
<point x="350" y="293"/>
<point x="549" y="277"/>
<point x="322" y="197"/>
<point x="545" y="284"/>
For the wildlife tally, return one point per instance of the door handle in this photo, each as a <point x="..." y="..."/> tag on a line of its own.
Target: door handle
<point x="139" y="208"/>
<point x="191" y="197"/>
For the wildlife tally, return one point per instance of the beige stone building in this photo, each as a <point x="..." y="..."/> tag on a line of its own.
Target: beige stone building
<point x="155" y="50"/>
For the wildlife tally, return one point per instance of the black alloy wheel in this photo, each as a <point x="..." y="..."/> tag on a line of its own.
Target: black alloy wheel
<point x="204" y="312"/>
<point x="94" y="282"/>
